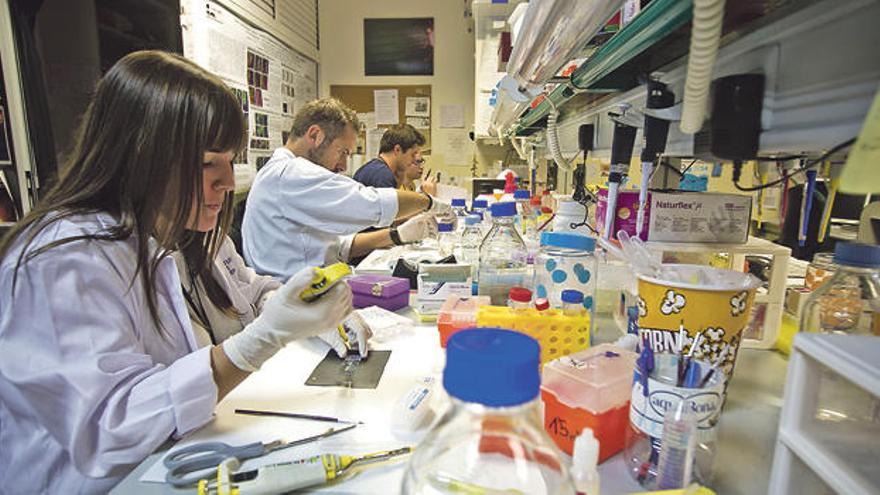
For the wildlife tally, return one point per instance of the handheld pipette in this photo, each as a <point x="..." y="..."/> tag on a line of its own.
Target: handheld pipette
<point x="763" y="168"/>
<point x="621" y="153"/>
<point x="288" y="476"/>
<point x="654" y="144"/>
<point x="834" y="174"/>
<point x="806" y="207"/>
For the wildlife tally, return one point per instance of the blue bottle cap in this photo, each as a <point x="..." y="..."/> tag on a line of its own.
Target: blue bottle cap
<point x="458" y="202"/>
<point x="521" y="194"/>
<point x="506" y="209"/>
<point x="493" y="367"/>
<point x="572" y="296"/>
<point x="480" y="203"/>
<point x="568" y="240"/>
<point x="444" y="227"/>
<point x="473" y="219"/>
<point x="857" y="254"/>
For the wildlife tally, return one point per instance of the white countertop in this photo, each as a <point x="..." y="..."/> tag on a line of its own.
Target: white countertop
<point x="747" y="430"/>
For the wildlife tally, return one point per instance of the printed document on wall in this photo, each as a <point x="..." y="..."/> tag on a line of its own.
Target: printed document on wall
<point x="452" y="116"/>
<point x="455" y="146"/>
<point x="373" y="138"/>
<point x="418" y="106"/>
<point x="385" y="105"/>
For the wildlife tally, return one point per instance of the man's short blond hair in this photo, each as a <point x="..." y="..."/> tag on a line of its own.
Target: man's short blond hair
<point x="330" y="114"/>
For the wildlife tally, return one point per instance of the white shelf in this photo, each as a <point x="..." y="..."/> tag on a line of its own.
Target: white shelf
<point x="828" y="424"/>
<point x="854" y="357"/>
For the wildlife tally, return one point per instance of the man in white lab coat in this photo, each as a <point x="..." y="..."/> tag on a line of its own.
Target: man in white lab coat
<point x="302" y="212"/>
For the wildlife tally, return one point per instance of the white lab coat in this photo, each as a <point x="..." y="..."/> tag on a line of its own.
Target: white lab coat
<point x="246" y="290"/>
<point x="89" y="387"/>
<point x="300" y="214"/>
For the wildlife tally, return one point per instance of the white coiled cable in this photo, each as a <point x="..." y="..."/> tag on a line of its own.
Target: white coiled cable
<point x="553" y="141"/>
<point x="705" y="38"/>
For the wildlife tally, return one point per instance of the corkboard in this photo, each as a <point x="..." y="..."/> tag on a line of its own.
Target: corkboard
<point x="360" y="98"/>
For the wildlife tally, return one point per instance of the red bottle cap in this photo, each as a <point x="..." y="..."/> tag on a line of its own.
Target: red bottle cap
<point x="520" y="294"/>
<point x="542" y="304"/>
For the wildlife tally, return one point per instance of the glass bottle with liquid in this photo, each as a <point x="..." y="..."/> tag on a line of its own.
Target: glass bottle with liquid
<point x="573" y="303"/>
<point x="519" y="298"/>
<point x="524" y="217"/>
<point x="459" y="207"/>
<point x="481" y="207"/>
<point x="491" y="440"/>
<point x="848" y="302"/>
<point x="471" y="238"/>
<point x="446" y="238"/>
<point x="503" y="256"/>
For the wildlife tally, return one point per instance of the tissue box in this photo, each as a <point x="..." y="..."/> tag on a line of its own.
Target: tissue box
<point x="699" y="217"/>
<point x="391" y="293"/>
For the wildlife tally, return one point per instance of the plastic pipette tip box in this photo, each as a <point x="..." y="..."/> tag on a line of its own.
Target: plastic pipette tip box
<point x="458" y="313"/>
<point x="591" y="389"/>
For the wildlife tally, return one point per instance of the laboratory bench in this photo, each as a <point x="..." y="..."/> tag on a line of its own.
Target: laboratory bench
<point x="746" y="442"/>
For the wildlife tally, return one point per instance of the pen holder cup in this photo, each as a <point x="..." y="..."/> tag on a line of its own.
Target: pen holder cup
<point x="712" y="314"/>
<point x="648" y="407"/>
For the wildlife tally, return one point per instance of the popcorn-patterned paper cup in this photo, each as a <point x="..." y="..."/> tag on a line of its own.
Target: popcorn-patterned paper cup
<point x="713" y="306"/>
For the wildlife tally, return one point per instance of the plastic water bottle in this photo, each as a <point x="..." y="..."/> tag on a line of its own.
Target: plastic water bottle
<point x="459" y="207"/>
<point x="471" y="238"/>
<point x="503" y="256"/>
<point x="491" y="440"/>
<point x="849" y="301"/>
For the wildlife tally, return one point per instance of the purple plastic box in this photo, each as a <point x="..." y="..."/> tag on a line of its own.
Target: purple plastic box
<point x="391" y="293"/>
<point x="627" y="213"/>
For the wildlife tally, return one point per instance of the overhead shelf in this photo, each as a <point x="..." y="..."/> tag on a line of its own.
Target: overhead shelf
<point x="658" y="20"/>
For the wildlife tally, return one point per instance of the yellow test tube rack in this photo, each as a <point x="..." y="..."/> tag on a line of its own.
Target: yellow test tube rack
<point x="558" y="334"/>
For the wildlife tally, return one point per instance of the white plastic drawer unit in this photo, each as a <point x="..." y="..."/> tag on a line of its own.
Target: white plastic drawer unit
<point x="829" y="429"/>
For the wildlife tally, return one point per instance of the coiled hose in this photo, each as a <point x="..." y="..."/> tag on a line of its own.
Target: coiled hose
<point x="553" y="142"/>
<point x="705" y="38"/>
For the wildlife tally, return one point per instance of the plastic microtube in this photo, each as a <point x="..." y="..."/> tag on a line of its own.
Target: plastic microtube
<point x="674" y="469"/>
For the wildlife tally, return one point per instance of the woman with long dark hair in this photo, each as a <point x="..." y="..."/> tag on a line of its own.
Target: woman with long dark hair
<point x="99" y="362"/>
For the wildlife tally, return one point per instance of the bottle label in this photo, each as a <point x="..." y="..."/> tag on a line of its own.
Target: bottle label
<point x="646" y="411"/>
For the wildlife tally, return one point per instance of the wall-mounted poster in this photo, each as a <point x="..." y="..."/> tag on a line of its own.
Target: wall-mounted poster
<point x="399" y="47"/>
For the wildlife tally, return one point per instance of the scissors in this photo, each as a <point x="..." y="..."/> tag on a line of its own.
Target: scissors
<point x="186" y="466"/>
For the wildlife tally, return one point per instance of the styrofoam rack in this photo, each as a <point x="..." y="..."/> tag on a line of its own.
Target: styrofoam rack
<point x="829" y="428"/>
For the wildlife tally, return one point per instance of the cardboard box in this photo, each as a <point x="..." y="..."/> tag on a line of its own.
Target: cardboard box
<point x="699" y="217"/>
<point x="439" y="281"/>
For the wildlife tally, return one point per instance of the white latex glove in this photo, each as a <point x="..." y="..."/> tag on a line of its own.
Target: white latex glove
<point x="357" y="329"/>
<point x="440" y="209"/>
<point x="285" y="317"/>
<point x="417" y="228"/>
